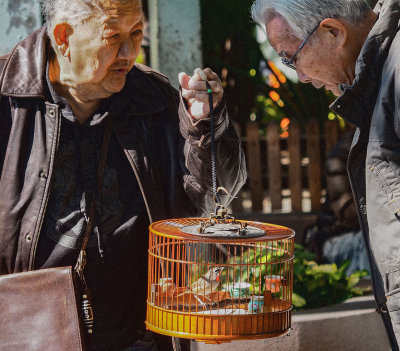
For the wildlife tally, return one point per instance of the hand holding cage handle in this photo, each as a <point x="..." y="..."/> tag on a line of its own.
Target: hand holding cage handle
<point x="220" y="212"/>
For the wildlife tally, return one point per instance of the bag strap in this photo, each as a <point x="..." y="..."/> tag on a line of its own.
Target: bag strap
<point x="81" y="262"/>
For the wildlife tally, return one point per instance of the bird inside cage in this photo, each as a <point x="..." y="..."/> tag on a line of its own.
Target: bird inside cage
<point x="205" y="285"/>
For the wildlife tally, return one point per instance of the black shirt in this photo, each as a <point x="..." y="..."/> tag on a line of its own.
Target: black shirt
<point x="116" y="270"/>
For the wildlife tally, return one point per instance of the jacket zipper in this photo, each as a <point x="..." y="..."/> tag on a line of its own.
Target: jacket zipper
<point x="47" y="194"/>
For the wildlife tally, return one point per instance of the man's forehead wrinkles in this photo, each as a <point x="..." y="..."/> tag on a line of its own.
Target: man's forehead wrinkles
<point x="116" y="11"/>
<point x="112" y="21"/>
<point x="110" y="4"/>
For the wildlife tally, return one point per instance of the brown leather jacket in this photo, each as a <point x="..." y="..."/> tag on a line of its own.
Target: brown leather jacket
<point x="172" y="167"/>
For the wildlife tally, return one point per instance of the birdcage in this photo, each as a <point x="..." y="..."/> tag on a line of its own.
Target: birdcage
<point x="218" y="280"/>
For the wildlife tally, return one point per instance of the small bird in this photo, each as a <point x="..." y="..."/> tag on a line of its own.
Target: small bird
<point x="206" y="284"/>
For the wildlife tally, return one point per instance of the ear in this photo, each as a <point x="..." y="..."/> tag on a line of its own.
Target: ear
<point x="336" y="29"/>
<point x="62" y="32"/>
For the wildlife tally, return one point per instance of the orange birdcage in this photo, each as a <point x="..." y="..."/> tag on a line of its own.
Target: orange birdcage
<point x="219" y="279"/>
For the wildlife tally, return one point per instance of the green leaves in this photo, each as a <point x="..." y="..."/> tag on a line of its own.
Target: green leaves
<point x="354" y="279"/>
<point x="298" y="301"/>
<point x="322" y="285"/>
<point x="314" y="285"/>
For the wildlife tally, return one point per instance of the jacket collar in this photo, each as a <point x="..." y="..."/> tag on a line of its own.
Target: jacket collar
<point x="358" y="99"/>
<point x="24" y="72"/>
<point x="24" y="75"/>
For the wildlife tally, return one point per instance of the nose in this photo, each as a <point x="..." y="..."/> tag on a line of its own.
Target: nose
<point x="303" y="77"/>
<point x="127" y="50"/>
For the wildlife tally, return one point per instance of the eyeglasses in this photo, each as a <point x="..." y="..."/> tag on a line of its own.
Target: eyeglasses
<point x="289" y="63"/>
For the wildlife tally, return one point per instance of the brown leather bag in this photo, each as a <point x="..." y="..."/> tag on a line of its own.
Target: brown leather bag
<point x="50" y="309"/>
<point x="39" y="311"/>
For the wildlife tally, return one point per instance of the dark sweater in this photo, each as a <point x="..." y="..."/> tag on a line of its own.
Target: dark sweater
<point x="117" y="252"/>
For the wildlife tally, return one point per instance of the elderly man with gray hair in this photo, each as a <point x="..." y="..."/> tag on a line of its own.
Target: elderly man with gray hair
<point x="352" y="50"/>
<point x="63" y="89"/>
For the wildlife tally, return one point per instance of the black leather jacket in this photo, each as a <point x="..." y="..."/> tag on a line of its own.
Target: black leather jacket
<point x="171" y="160"/>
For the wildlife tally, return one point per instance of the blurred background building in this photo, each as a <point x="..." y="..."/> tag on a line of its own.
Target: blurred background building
<point x="17" y="20"/>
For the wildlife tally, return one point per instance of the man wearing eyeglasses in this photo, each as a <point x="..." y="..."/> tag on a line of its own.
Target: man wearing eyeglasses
<point x="354" y="51"/>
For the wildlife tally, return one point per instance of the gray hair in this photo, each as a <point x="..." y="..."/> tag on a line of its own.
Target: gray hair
<point x="73" y="12"/>
<point x="303" y="15"/>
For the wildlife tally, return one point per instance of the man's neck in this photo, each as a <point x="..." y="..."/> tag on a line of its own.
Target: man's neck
<point x="359" y="33"/>
<point x="83" y="110"/>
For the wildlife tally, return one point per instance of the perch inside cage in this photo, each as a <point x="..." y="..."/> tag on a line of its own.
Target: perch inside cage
<point x="217" y="282"/>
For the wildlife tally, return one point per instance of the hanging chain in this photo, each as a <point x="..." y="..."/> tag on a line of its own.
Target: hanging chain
<point x="212" y="131"/>
<point x="221" y="214"/>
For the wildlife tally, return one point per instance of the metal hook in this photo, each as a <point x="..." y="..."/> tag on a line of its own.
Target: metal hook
<point x="221" y="188"/>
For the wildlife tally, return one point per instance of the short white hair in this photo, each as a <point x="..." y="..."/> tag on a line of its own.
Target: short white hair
<point x="74" y="12"/>
<point x="303" y="15"/>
